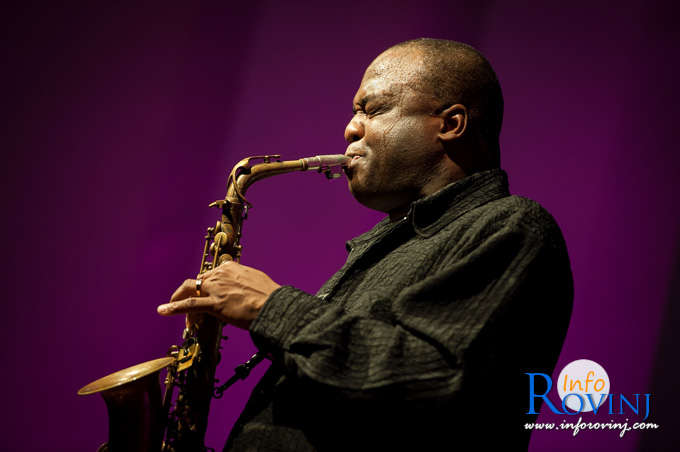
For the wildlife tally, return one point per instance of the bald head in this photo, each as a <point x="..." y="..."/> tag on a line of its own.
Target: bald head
<point x="452" y="73"/>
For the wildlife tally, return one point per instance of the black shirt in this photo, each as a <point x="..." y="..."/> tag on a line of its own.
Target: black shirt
<point x="421" y="340"/>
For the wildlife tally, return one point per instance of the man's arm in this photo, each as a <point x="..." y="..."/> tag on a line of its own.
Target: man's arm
<point x="421" y="339"/>
<point x="426" y="338"/>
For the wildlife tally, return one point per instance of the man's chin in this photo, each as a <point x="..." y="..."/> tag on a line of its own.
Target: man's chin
<point x="360" y="193"/>
<point x="366" y="197"/>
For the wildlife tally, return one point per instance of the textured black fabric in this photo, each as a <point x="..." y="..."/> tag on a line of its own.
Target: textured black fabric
<point x="420" y="341"/>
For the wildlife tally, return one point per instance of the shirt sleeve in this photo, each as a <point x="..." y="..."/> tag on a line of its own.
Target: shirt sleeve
<point x="480" y="305"/>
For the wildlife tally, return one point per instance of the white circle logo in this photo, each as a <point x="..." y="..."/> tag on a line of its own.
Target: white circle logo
<point x="583" y="385"/>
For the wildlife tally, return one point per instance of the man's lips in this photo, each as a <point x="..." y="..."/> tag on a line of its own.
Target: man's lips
<point x="355" y="156"/>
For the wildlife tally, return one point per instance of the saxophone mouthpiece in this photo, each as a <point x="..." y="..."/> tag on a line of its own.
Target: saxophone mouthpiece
<point x="325" y="162"/>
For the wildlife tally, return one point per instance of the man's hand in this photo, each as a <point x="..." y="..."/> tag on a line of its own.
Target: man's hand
<point x="232" y="292"/>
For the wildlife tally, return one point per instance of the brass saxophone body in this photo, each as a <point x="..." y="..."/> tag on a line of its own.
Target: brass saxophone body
<point x="139" y="418"/>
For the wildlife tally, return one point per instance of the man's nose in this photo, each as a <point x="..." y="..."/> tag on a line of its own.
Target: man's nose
<point x="354" y="130"/>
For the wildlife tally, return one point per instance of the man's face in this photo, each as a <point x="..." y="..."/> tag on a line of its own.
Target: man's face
<point x="392" y="136"/>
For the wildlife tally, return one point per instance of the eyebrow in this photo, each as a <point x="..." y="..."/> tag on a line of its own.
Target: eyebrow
<point x="361" y="103"/>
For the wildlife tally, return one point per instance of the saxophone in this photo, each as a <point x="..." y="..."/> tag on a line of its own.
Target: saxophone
<point x="140" y="420"/>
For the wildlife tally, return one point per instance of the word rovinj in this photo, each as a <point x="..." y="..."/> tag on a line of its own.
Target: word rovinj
<point x="590" y="402"/>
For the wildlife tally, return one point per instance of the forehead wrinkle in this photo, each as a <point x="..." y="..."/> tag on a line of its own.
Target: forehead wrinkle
<point x="368" y="92"/>
<point x="400" y="65"/>
<point x="400" y="68"/>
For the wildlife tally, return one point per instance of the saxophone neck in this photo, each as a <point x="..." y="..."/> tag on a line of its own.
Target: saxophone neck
<point x="244" y="173"/>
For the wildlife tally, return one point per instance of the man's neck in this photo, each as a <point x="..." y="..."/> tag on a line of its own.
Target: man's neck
<point x="433" y="185"/>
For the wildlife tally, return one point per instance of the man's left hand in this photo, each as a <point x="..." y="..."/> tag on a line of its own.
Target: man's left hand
<point x="232" y="292"/>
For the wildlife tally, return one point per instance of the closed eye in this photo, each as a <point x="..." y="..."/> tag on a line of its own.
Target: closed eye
<point x="373" y="110"/>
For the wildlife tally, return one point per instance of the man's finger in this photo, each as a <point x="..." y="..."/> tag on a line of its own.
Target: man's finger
<point x="193" y="304"/>
<point x="188" y="289"/>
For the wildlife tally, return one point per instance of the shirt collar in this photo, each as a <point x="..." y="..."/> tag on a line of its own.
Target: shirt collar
<point x="431" y="213"/>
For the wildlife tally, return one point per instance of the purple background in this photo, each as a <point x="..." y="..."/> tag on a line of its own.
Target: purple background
<point x="120" y="124"/>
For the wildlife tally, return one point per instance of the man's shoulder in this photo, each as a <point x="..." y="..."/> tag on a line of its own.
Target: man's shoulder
<point x="520" y="210"/>
<point x="510" y="214"/>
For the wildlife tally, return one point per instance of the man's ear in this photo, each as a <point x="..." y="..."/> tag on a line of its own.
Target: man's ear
<point x="454" y="124"/>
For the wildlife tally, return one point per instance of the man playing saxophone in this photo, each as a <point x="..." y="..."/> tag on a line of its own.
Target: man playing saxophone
<point x="421" y="340"/>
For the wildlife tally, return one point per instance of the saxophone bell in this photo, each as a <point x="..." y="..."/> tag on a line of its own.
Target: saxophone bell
<point x="133" y="403"/>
